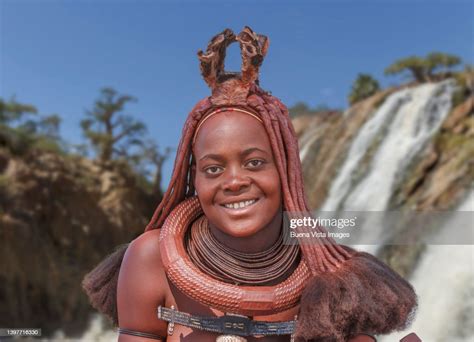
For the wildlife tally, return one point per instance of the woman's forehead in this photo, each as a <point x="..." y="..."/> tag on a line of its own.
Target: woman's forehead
<point x="230" y="129"/>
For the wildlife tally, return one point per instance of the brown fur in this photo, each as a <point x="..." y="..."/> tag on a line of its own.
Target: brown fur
<point x="101" y="284"/>
<point x="363" y="296"/>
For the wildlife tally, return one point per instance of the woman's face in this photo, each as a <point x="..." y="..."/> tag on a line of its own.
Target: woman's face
<point x="236" y="180"/>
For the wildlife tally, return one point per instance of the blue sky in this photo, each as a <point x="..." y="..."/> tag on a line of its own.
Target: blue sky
<point x="57" y="54"/>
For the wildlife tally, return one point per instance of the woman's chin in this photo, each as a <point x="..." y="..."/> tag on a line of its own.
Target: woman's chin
<point x="239" y="230"/>
<point x="241" y="233"/>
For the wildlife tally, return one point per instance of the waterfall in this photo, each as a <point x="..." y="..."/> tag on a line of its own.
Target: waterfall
<point x="387" y="143"/>
<point x="306" y="141"/>
<point x="403" y="124"/>
<point x="343" y="181"/>
<point x="394" y="135"/>
<point x="413" y="124"/>
<point x="444" y="283"/>
<point x="98" y="331"/>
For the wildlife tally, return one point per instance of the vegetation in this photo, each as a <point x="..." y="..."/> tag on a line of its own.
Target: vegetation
<point x="22" y="129"/>
<point x="441" y="63"/>
<point x="116" y="139"/>
<point x="4" y="181"/>
<point x="465" y="80"/>
<point x="109" y="132"/>
<point x="434" y="67"/>
<point x="148" y="163"/>
<point x="302" y="108"/>
<point x="120" y="139"/>
<point x="363" y="87"/>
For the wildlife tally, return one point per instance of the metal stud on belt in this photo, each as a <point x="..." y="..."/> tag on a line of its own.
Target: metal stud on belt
<point x="292" y="338"/>
<point x="171" y="323"/>
<point x="230" y="338"/>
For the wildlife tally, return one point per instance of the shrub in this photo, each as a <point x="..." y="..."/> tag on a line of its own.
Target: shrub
<point x="301" y="108"/>
<point x="363" y="87"/>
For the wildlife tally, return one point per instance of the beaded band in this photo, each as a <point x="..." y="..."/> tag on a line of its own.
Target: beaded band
<point x="220" y="110"/>
<point x="141" y="334"/>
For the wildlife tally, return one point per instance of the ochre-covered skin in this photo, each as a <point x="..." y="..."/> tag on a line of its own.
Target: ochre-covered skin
<point x="151" y="289"/>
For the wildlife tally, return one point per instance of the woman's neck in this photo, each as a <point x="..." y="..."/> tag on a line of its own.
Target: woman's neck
<point x="261" y="241"/>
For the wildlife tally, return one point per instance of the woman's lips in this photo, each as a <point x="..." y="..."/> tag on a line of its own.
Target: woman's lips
<point x="240" y="206"/>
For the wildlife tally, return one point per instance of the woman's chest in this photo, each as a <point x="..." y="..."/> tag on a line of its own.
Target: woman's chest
<point x="199" y="312"/>
<point x="185" y="334"/>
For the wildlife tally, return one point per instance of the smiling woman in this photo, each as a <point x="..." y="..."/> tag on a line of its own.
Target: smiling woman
<point x="237" y="181"/>
<point x="213" y="263"/>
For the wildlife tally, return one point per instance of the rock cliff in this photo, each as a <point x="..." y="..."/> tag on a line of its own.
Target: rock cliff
<point x="59" y="216"/>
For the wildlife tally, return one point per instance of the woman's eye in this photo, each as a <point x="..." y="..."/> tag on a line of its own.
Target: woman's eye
<point x="213" y="170"/>
<point x="255" y="163"/>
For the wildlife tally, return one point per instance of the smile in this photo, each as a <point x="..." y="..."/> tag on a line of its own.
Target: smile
<point x="239" y="205"/>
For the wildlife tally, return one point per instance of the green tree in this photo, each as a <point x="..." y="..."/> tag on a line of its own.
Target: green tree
<point x="423" y="69"/>
<point x="152" y="154"/>
<point x="148" y="162"/>
<point x="21" y="128"/>
<point x="443" y="61"/>
<point x="363" y="87"/>
<point x="298" y="109"/>
<point x="301" y="108"/>
<point x="416" y="66"/>
<point x="13" y="111"/>
<point x="48" y="126"/>
<point x="109" y="131"/>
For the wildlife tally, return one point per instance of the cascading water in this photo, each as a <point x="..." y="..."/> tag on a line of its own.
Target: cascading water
<point x="414" y="123"/>
<point x="395" y="134"/>
<point x="392" y="137"/>
<point x="343" y="182"/>
<point x="404" y="123"/>
<point x="444" y="283"/>
<point x="307" y="140"/>
<point x="96" y="332"/>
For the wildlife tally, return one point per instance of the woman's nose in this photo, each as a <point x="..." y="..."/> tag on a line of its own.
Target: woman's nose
<point x="235" y="181"/>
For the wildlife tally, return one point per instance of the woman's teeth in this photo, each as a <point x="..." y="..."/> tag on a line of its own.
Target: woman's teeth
<point x="239" y="205"/>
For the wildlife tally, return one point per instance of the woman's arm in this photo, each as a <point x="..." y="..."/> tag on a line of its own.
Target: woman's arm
<point x="363" y="338"/>
<point x="142" y="287"/>
<point x="127" y="335"/>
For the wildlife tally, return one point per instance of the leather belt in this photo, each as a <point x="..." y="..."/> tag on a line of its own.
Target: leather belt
<point x="227" y="324"/>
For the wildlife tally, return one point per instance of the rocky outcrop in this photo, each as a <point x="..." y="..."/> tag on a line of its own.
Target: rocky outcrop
<point x="442" y="173"/>
<point x="59" y="216"/>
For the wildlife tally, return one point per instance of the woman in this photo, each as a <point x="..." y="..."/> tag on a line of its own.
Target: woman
<point x="212" y="259"/>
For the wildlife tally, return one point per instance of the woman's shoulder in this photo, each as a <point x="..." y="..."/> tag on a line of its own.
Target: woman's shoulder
<point x="145" y="248"/>
<point x="142" y="259"/>
<point x="142" y="283"/>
